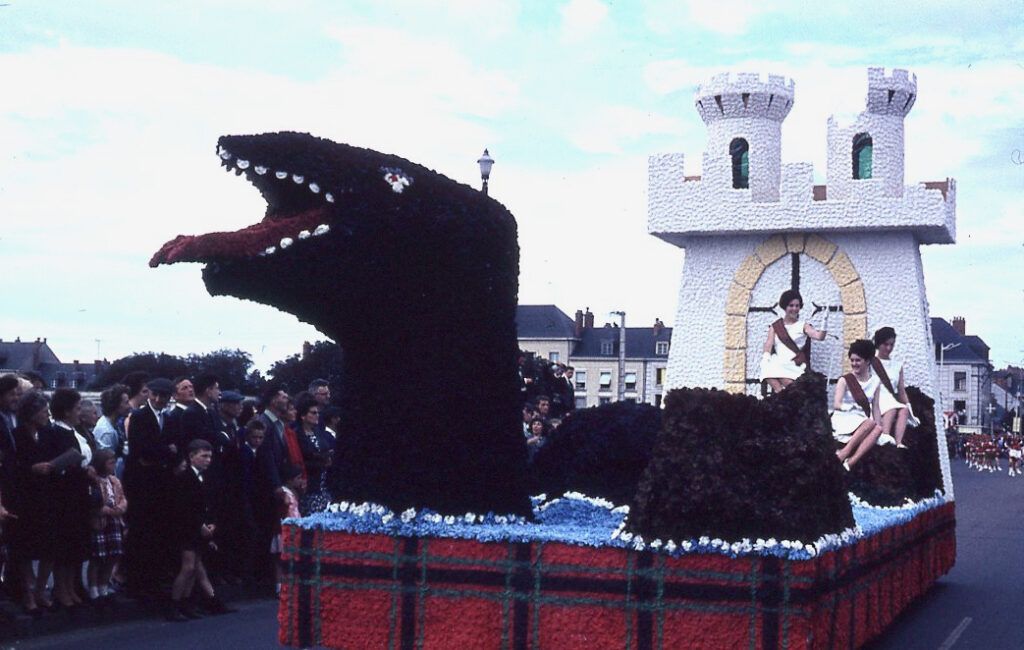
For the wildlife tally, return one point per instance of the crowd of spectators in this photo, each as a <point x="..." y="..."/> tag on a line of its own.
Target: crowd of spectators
<point x="166" y="491"/>
<point x="548" y="396"/>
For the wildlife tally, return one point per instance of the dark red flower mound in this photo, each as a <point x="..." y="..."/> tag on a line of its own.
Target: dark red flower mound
<point x="889" y="476"/>
<point x="600" y="451"/>
<point x="415" y="276"/>
<point x="732" y="467"/>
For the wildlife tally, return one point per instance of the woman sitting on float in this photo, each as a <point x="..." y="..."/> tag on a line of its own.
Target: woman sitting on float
<point x="855" y="416"/>
<point x="893" y="403"/>
<point x="787" y="350"/>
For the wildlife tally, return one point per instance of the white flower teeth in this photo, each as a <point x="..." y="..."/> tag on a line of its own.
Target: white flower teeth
<point x="322" y="229"/>
<point x="314" y="188"/>
<point x="299" y="180"/>
<point x="225" y="154"/>
<point x="281" y="175"/>
<point x="243" y="164"/>
<point x="329" y="197"/>
<point x="270" y="250"/>
<point x="303" y="234"/>
<point x="260" y="169"/>
<point x="286" y="242"/>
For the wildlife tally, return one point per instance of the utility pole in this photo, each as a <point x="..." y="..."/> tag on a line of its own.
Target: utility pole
<point x="622" y="355"/>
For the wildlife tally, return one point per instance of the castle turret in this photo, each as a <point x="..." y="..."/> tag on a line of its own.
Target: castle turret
<point x="866" y="158"/>
<point x="744" y="115"/>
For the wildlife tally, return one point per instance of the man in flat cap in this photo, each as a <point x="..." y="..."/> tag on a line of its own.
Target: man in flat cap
<point x="147" y="476"/>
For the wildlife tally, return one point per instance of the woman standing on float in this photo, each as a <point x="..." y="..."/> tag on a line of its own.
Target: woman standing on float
<point x="787" y="350"/>
<point x="855" y="415"/>
<point x="892" y="399"/>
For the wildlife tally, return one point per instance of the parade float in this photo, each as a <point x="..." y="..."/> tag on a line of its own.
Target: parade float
<point x="723" y="520"/>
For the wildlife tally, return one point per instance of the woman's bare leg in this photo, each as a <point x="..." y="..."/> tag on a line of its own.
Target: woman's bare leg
<point x="859" y="433"/>
<point x="866" y="444"/>
<point x="901" y="425"/>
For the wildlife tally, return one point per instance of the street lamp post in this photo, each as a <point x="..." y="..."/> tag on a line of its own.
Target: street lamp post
<point x="486" y="162"/>
<point x="942" y="361"/>
<point x="622" y="354"/>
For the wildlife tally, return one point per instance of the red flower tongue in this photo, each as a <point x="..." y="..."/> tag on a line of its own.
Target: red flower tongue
<point x="240" y="244"/>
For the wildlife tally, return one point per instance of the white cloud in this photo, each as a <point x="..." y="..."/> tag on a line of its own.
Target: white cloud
<point x="725" y="17"/>
<point x="607" y="129"/>
<point x="582" y="18"/>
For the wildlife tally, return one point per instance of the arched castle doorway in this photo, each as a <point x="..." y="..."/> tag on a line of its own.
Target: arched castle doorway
<point x="825" y="277"/>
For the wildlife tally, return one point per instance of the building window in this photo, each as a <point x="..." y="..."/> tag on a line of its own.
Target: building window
<point x="659" y="376"/>
<point x="661" y="348"/>
<point x="739" y="151"/>
<point x="608" y="347"/>
<point x="630" y="381"/>
<point x="553" y="356"/>
<point x="960" y="406"/>
<point x="960" y="381"/>
<point x="581" y="379"/>
<point x="862" y="149"/>
<point x="581" y="402"/>
<point x="631" y="400"/>
<point x="604" y="400"/>
<point x="657" y="400"/>
<point x="606" y="380"/>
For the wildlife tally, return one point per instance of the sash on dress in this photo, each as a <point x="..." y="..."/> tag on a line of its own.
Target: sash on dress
<point x="803" y="355"/>
<point x="876" y="365"/>
<point x="857" y="392"/>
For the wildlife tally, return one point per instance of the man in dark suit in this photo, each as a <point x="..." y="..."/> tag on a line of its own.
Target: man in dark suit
<point x="271" y="457"/>
<point x="199" y="420"/>
<point x="184" y="395"/>
<point x="193" y="531"/>
<point x="147" y="474"/>
<point x="10" y="393"/>
<point x="249" y="499"/>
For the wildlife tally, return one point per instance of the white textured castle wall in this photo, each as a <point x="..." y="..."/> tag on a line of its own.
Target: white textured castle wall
<point x="888" y="265"/>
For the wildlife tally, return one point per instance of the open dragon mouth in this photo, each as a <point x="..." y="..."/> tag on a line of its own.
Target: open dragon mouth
<point x="298" y="211"/>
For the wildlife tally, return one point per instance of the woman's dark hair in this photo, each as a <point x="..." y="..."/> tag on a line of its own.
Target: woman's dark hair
<point x="30" y="404"/>
<point x="64" y="399"/>
<point x="110" y="399"/>
<point x="788" y="296"/>
<point x="544" y="426"/>
<point x="303" y="403"/>
<point x="329" y="413"/>
<point x="8" y="383"/>
<point x="863" y="348"/>
<point x="99" y="460"/>
<point x="136" y="381"/>
<point x="884" y="334"/>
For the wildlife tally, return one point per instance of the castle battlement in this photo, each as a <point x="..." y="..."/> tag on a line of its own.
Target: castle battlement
<point x="892" y="94"/>
<point x="744" y="94"/>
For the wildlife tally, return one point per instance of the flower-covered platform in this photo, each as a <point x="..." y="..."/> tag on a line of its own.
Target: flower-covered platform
<point x="363" y="577"/>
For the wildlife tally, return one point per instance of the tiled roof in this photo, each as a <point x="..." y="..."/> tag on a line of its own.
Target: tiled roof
<point x="22" y="356"/>
<point x="544" y="322"/>
<point x="640" y="342"/>
<point x="969" y="349"/>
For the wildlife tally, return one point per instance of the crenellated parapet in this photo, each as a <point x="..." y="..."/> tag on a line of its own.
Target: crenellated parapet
<point x="744" y="94"/>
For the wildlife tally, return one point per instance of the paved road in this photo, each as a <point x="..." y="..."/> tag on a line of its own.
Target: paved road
<point x="980" y="604"/>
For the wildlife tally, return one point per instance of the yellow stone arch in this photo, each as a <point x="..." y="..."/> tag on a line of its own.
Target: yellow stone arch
<point x="851" y="289"/>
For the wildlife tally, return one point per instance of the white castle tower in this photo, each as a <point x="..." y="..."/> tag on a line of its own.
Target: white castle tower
<point x="753" y="227"/>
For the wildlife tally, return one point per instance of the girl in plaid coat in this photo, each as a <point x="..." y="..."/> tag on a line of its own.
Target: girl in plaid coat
<point x="107" y="524"/>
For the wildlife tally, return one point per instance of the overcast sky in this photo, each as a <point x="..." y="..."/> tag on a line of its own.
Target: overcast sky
<point x="110" y="111"/>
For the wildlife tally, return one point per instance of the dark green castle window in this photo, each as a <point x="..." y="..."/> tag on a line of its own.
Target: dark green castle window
<point x="739" y="151"/>
<point x="862" y="150"/>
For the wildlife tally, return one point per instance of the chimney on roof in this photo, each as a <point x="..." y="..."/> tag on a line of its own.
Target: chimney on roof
<point x="658" y="326"/>
<point x="76" y="363"/>
<point x="17" y="340"/>
<point x="579" y="322"/>
<point x="588" y="319"/>
<point x="960" y="325"/>
<point x="307" y="349"/>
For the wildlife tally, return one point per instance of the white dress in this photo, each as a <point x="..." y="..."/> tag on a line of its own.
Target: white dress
<point x="780" y="365"/>
<point x="849" y="415"/>
<point x="886" y="400"/>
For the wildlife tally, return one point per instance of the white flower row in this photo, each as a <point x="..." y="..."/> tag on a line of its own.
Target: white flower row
<point x="409" y="515"/>
<point x="908" y="504"/>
